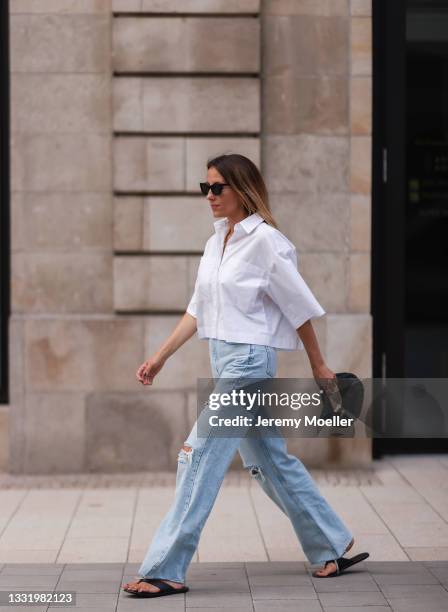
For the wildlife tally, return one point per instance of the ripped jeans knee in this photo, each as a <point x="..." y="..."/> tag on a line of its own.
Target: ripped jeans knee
<point x="185" y="454"/>
<point x="256" y="472"/>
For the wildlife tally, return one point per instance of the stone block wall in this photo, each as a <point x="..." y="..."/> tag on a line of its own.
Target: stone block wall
<point x="116" y="107"/>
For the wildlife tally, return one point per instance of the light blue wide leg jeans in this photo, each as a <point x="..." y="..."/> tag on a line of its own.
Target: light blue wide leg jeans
<point x="200" y="473"/>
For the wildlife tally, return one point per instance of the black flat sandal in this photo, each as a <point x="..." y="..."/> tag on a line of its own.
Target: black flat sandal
<point x="165" y="589"/>
<point x="342" y="564"/>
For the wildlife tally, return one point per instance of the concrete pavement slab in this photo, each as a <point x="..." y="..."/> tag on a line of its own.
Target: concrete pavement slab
<point x="416" y="578"/>
<point x="426" y="553"/>
<point x="406" y="604"/>
<point x="280" y="605"/>
<point x="282" y="592"/>
<point x="357" y="609"/>
<point x="441" y="573"/>
<point x="111" y="575"/>
<point x="198" y="599"/>
<point x="345" y="583"/>
<point x="217" y="586"/>
<point x="91" y="600"/>
<point x="25" y="608"/>
<point x="412" y="590"/>
<point x="37" y="569"/>
<point x="276" y="568"/>
<point x="31" y="580"/>
<point x="286" y="579"/>
<point x="89" y="586"/>
<point x="394" y="567"/>
<point x="364" y="598"/>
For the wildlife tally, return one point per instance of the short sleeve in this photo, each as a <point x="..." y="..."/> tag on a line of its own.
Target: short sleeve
<point x="289" y="291"/>
<point x="192" y="304"/>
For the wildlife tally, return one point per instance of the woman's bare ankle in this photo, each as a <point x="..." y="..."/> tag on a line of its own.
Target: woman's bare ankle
<point x="174" y="584"/>
<point x="350" y="545"/>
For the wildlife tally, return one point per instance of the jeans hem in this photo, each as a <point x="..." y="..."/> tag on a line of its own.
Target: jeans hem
<point x="181" y="580"/>
<point x="332" y="559"/>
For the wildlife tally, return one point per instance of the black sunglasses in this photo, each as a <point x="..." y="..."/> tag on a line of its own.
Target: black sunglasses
<point x="216" y="188"/>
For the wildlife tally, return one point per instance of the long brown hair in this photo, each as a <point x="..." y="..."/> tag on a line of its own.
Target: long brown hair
<point x="245" y="179"/>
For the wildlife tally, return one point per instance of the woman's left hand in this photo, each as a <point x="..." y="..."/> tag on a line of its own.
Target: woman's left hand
<point x="325" y="378"/>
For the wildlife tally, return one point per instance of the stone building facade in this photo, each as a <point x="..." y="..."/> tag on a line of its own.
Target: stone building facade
<point x="116" y="107"/>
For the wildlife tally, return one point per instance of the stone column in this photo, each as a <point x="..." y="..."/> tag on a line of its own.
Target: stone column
<point x="62" y="331"/>
<point x="316" y="87"/>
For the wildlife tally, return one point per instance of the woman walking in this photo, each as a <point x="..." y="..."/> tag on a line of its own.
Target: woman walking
<point x="249" y="301"/>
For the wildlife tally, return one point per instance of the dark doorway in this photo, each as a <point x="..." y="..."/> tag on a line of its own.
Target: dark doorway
<point x="427" y="192"/>
<point x="410" y="199"/>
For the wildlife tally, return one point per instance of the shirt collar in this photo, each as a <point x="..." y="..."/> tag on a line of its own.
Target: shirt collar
<point x="248" y="223"/>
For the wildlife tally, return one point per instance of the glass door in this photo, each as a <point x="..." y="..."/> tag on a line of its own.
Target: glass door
<point x="410" y="199"/>
<point x="426" y="293"/>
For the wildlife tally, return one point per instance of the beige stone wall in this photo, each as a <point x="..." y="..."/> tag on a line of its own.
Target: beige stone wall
<point x="116" y="106"/>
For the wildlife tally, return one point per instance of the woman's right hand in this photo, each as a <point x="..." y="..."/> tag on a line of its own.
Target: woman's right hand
<point x="148" y="369"/>
<point x="185" y="328"/>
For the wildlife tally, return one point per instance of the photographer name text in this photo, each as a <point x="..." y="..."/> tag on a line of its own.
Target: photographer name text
<point x="312" y="421"/>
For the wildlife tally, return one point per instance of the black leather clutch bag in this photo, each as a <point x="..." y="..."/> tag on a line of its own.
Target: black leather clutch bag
<point x="347" y="400"/>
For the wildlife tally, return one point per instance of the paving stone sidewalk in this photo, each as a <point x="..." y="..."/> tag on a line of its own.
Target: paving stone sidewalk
<point x="89" y="534"/>
<point x="243" y="587"/>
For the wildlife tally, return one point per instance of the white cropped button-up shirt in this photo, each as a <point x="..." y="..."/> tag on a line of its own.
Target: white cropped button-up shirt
<point x="253" y="293"/>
